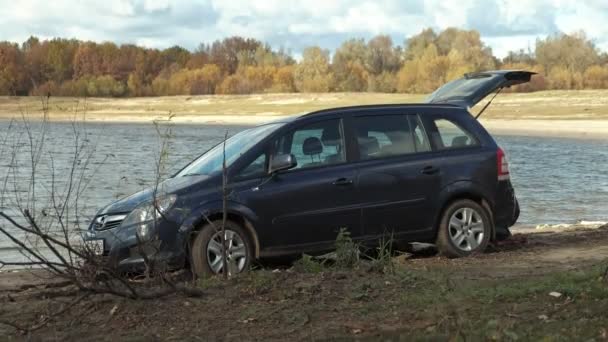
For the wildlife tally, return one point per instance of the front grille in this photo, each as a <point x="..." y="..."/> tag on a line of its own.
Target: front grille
<point x="104" y="222"/>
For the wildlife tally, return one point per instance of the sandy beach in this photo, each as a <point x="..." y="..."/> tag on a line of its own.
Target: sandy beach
<point x="590" y="129"/>
<point x="576" y="114"/>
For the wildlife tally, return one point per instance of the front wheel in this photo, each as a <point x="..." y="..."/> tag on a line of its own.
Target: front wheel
<point x="464" y="229"/>
<point x="206" y="251"/>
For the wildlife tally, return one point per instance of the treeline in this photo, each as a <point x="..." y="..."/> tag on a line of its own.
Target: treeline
<point x="236" y="65"/>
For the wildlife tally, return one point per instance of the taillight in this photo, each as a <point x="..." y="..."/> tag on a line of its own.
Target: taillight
<point x="503" y="164"/>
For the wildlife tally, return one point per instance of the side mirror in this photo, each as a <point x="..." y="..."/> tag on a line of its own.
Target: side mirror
<point x="282" y="162"/>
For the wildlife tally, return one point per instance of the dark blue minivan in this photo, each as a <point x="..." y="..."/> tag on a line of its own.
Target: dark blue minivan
<point x="416" y="172"/>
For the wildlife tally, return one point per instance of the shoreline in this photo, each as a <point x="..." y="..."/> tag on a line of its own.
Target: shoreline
<point x="569" y="114"/>
<point x="596" y="129"/>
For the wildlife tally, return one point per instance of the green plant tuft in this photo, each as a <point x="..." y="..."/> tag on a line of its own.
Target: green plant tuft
<point x="347" y="251"/>
<point x="308" y="264"/>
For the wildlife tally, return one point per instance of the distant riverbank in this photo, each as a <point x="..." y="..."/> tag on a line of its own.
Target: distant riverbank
<point x="578" y="114"/>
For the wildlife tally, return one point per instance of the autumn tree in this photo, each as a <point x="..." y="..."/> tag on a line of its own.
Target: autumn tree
<point x="312" y="74"/>
<point x="205" y="79"/>
<point x="573" y="52"/>
<point x="381" y="58"/>
<point x="175" y="55"/>
<point x="198" y="58"/>
<point x="468" y="43"/>
<point x="227" y="52"/>
<point x="349" y="66"/>
<point x="283" y="80"/>
<point x="11" y="73"/>
<point x="59" y="59"/>
<point x="238" y="65"/>
<point x="34" y="59"/>
<point x="416" y="44"/>
<point x="596" y="77"/>
<point x="87" y="61"/>
<point x="433" y="59"/>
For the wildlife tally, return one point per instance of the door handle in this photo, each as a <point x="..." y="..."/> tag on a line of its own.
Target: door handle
<point x="430" y="170"/>
<point x="342" y="182"/>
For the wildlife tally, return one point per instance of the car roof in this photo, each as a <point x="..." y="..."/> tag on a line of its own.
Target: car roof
<point x="374" y="106"/>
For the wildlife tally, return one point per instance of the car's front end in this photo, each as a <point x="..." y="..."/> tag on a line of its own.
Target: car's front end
<point x="129" y="236"/>
<point x="152" y="228"/>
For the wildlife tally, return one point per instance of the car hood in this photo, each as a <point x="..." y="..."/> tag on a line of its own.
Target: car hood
<point x="474" y="87"/>
<point x="169" y="186"/>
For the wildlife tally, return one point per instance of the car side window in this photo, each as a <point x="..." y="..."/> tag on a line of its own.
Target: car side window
<point x="256" y="168"/>
<point x="380" y="136"/>
<point x="316" y="144"/>
<point x="450" y="135"/>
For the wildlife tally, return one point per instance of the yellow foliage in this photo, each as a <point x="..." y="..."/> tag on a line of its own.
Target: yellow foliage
<point x="596" y="77"/>
<point x="230" y="85"/>
<point x="249" y="79"/>
<point x="407" y="78"/>
<point x="283" y="81"/>
<point x="560" y="78"/>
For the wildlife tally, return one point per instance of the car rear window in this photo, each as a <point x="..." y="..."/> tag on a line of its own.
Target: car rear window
<point x="450" y="135"/>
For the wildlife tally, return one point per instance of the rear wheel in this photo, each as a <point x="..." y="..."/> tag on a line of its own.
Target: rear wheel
<point x="206" y="251"/>
<point x="464" y="229"/>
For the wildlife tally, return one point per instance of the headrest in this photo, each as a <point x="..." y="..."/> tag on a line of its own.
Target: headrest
<point x="368" y="146"/>
<point x="312" y="146"/>
<point x="331" y="136"/>
<point x="460" y="141"/>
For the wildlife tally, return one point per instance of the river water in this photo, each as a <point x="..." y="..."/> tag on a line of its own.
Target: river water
<point x="557" y="180"/>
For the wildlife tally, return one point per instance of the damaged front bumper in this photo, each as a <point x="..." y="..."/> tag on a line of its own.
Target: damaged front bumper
<point x="121" y="250"/>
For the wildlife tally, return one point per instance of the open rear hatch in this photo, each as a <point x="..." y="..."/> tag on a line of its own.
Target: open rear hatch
<point x="474" y="87"/>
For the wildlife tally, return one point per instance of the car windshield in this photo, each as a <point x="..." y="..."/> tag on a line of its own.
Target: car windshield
<point x="211" y="161"/>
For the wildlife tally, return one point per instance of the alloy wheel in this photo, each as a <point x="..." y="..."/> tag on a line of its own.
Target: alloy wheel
<point x="466" y="229"/>
<point x="236" y="255"/>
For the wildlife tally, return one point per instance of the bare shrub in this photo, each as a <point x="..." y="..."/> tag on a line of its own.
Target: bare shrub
<point x="44" y="221"/>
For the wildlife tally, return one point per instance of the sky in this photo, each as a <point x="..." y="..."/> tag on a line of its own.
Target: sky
<point x="504" y="25"/>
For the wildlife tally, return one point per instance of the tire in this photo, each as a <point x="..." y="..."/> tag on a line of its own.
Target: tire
<point x="206" y="249"/>
<point x="457" y="236"/>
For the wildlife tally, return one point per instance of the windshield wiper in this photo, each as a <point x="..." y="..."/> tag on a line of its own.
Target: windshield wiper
<point x="488" y="104"/>
<point x="193" y="174"/>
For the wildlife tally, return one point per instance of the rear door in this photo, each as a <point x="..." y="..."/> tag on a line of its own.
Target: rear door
<point x="474" y="87"/>
<point x="398" y="177"/>
<point x="463" y="158"/>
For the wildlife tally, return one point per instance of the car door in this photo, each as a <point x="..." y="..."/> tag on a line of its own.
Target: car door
<point x="397" y="175"/>
<point x="474" y="87"/>
<point x="462" y="157"/>
<point x="307" y="206"/>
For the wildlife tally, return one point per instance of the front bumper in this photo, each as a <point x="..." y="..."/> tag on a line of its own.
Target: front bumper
<point x="123" y="252"/>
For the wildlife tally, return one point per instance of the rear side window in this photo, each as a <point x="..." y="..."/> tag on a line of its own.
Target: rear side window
<point x="449" y="135"/>
<point x="381" y="136"/>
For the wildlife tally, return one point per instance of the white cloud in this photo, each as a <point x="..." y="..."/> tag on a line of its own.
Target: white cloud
<point x="504" y="24"/>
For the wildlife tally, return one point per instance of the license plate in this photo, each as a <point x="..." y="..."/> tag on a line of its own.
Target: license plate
<point x="95" y="246"/>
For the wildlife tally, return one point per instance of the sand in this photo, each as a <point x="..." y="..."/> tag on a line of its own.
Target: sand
<point x="573" y="114"/>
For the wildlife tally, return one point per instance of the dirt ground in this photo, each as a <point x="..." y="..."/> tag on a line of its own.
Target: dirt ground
<point x="538" y="285"/>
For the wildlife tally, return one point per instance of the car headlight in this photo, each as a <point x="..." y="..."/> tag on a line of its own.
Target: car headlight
<point x="145" y="216"/>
